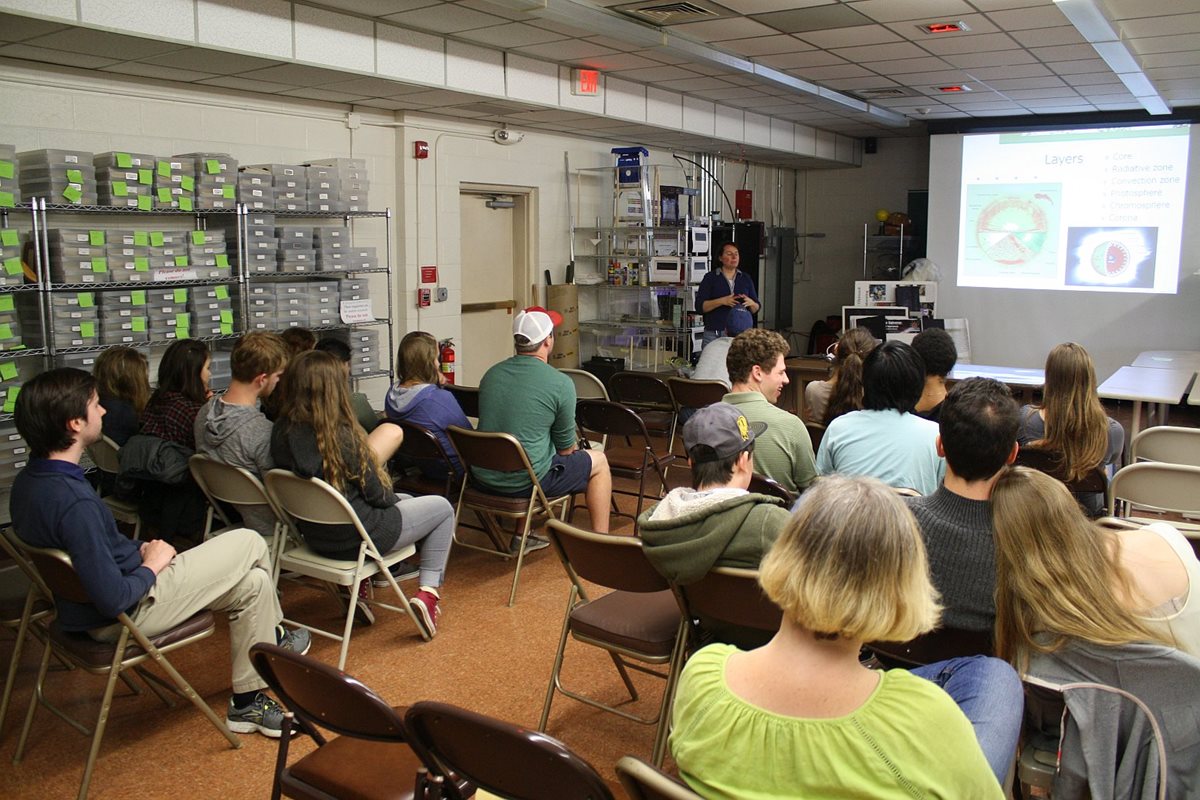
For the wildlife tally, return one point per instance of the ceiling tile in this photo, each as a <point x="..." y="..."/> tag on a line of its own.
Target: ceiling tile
<point x="907" y="65"/>
<point x="562" y="27"/>
<point x="247" y="84"/>
<point x="618" y="61"/>
<point x="809" y="58"/>
<point x="567" y="50"/>
<point x="510" y="36"/>
<point x="1042" y="37"/>
<point x="17" y="29"/>
<point x="213" y="61"/>
<point x="690" y="84"/>
<point x="1010" y="71"/>
<point x="619" y="45"/>
<point x="28" y="52"/>
<point x="945" y="45"/>
<point x="818" y="18"/>
<point x="893" y="11"/>
<point x="995" y="58"/>
<point x="1068" y="52"/>
<point x="323" y="94"/>
<point x="1151" y="60"/>
<point x="998" y="5"/>
<point x="942" y="78"/>
<point x="157" y="71"/>
<point x="500" y="10"/>
<point x="1081" y="66"/>
<point x="376" y="8"/>
<point x="90" y="42"/>
<point x="717" y="30"/>
<point x="296" y="75"/>
<point x="765" y="45"/>
<point x="659" y="72"/>
<point x="366" y="87"/>
<point x="1167" y="44"/>
<point x="1046" y="16"/>
<point x="1171" y="73"/>
<point x="881" y="52"/>
<point x="445" y="19"/>
<point x="1091" y="78"/>
<point x="382" y="102"/>
<point x="854" y="84"/>
<point x="725" y="94"/>
<point x="821" y="74"/>
<point x="851" y="37"/>
<point x="1041" y="94"/>
<point x="1126" y="9"/>
<point x="1048" y="82"/>
<point x="1160" y="26"/>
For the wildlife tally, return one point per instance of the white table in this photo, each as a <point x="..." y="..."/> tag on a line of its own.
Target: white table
<point x="1022" y="378"/>
<point x="1169" y="359"/>
<point x="1146" y="385"/>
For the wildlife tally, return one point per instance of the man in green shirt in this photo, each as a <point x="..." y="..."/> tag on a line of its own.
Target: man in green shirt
<point x="531" y="400"/>
<point x="758" y="375"/>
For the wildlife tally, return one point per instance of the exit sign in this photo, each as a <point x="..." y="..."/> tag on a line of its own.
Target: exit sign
<point x="585" y="82"/>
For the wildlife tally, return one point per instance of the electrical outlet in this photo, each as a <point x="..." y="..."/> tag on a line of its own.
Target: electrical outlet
<point x="441" y="295"/>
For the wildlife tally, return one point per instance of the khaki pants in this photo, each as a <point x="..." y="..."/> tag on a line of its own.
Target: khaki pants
<point x="231" y="573"/>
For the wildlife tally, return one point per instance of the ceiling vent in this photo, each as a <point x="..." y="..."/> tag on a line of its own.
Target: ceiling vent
<point x="666" y="13"/>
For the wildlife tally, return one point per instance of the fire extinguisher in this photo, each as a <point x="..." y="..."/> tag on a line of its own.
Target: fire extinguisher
<point x="446" y="356"/>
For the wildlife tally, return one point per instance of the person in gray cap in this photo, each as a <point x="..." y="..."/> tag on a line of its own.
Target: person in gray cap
<point x="717" y="522"/>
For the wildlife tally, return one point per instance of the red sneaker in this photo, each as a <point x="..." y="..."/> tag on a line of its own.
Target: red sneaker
<point x="363" y="610"/>
<point x="425" y="606"/>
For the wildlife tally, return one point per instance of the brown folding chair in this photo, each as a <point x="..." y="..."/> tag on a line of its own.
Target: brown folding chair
<point x="929" y="648"/>
<point x="633" y="459"/>
<point x="687" y="393"/>
<point x="761" y="484"/>
<point x="505" y="759"/>
<point x="421" y="446"/>
<point x="650" y="397"/>
<point x="467" y="397"/>
<point x="111" y="659"/>
<point x="369" y="759"/>
<point x="638" y="620"/>
<point x="105" y="454"/>
<point x="728" y="604"/>
<point x="816" y="432"/>
<point x="25" y="606"/>
<point x="1049" y="462"/>
<point x="503" y="453"/>
<point x="315" y="501"/>
<point x="643" y="781"/>
<point x="224" y="484"/>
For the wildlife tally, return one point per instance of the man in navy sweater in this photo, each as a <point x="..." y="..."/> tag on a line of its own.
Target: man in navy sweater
<point x="58" y="414"/>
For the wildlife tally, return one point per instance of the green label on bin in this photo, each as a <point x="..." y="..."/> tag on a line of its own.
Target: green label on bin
<point x="12" y="265"/>
<point x="6" y="302"/>
<point x="188" y="183"/>
<point x="120" y="189"/>
<point x="138" y="297"/>
<point x="146" y="176"/>
<point x="9" y="237"/>
<point x="197" y="237"/>
<point x="8" y="371"/>
<point x="145" y="202"/>
<point x="96" y="238"/>
<point x="75" y="176"/>
<point x="87" y="330"/>
<point x="5" y="331"/>
<point x="141" y="238"/>
<point x="222" y="261"/>
<point x="227" y="191"/>
<point x="226" y="315"/>
<point x="138" y="324"/>
<point x="185" y="204"/>
<point x="164" y="194"/>
<point x="10" y="400"/>
<point x="222" y="292"/>
<point x="124" y="160"/>
<point x="6" y="200"/>
<point x="141" y="264"/>
<point x="212" y="166"/>
<point x="99" y="265"/>
<point x="183" y="320"/>
<point x="156" y="238"/>
<point x="86" y="299"/>
<point x="181" y="261"/>
<point x="72" y="193"/>
<point x="6" y="169"/>
<point x="181" y="295"/>
<point x="164" y="169"/>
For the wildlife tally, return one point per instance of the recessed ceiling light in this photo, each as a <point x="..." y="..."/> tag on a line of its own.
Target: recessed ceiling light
<point x="952" y="89"/>
<point x="945" y="27"/>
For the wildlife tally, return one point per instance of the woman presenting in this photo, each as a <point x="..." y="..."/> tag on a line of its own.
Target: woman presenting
<point x="723" y="290"/>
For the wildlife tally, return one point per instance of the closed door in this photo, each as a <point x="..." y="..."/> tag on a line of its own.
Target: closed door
<point x="491" y="285"/>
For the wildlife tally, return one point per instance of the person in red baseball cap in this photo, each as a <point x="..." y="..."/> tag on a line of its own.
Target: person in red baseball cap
<point x="531" y="400"/>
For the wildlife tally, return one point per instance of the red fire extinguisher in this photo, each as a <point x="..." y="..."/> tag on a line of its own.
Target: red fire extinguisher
<point x="446" y="357"/>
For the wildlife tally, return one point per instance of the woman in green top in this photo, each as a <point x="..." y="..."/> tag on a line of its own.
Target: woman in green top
<point x="801" y="717"/>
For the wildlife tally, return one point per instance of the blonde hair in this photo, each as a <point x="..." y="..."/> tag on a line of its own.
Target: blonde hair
<point x="1058" y="574"/>
<point x="1076" y="425"/>
<point x="416" y="358"/>
<point x="315" y="394"/>
<point x="123" y="373"/>
<point x="851" y="563"/>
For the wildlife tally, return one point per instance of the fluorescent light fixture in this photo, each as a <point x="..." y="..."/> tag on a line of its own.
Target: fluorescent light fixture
<point x="1117" y="56"/>
<point x="1088" y="19"/>
<point x="1137" y="84"/>
<point x="1155" y="105"/>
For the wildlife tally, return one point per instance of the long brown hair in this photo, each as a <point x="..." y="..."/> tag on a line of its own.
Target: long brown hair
<point x="123" y="373"/>
<point x="416" y="358"/>
<point x="1057" y="573"/>
<point x="314" y="393"/>
<point x="847" y="395"/>
<point x="1076" y="425"/>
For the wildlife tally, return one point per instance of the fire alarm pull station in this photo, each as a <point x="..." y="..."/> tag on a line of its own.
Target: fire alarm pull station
<point x="429" y="275"/>
<point x="424" y="298"/>
<point x="420" y="149"/>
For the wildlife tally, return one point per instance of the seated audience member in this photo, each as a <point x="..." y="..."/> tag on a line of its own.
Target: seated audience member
<point x="363" y="412"/>
<point x="418" y="397"/>
<point x="885" y="440"/>
<point x="937" y="350"/>
<point x="299" y="340"/>
<point x="183" y="376"/>
<point x="978" y="437"/>
<point x="59" y="414"/>
<point x="526" y="397"/>
<point x="316" y="435"/>
<point x="1071" y="421"/>
<point x="756" y="367"/>
<point x="1060" y="576"/>
<point x="848" y="568"/>
<point x="843" y="392"/>
<point x="123" y="380"/>
<point x="711" y="366"/>
<point x="231" y="428"/>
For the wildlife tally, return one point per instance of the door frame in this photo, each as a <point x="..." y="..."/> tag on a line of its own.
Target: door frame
<point x="525" y="241"/>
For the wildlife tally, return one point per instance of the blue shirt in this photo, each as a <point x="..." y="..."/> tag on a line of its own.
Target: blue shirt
<point x="898" y="449"/>
<point x="715" y="285"/>
<point x="53" y="505"/>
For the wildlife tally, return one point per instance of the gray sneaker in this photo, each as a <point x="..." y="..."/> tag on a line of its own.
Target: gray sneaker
<point x="263" y="715"/>
<point x="298" y="640"/>
<point x="531" y="543"/>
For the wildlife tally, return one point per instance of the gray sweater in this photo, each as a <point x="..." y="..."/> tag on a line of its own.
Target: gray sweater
<point x="241" y="437"/>
<point x="962" y="556"/>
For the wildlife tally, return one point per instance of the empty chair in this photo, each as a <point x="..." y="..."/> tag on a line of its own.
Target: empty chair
<point x="224" y="484"/>
<point x="645" y="782"/>
<point x="1167" y="443"/>
<point x="587" y="385"/>
<point x="467" y="397"/>
<point x="368" y="759"/>
<point x="1092" y="490"/>
<point x="650" y="397"/>
<point x="761" y="484"/>
<point x="105" y="454"/>
<point x="638" y="620"/>
<point x="505" y="759"/>
<point x="503" y="453"/>
<point x="131" y="650"/>
<point x="313" y="500"/>
<point x="728" y="605"/>
<point x="1156" y="486"/>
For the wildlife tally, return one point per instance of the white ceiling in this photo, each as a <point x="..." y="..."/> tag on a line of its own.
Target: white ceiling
<point x="1019" y="58"/>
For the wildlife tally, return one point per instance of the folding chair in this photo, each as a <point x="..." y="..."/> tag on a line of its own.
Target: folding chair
<point x="503" y="453"/>
<point x="1169" y="444"/>
<point x="100" y="658"/>
<point x="638" y="620"/>
<point x="645" y="782"/>
<point x="1157" y="486"/>
<point x="687" y="393"/>
<point x="816" y="432"/>
<point x="728" y="605"/>
<point x="636" y="457"/>
<point x="25" y="605"/>
<point x="587" y="385"/>
<point x="224" y="484"/>
<point x="650" y="397"/>
<point x="1049" y="462"/>
<point x="420" y="445"/>
<point x="315" y="501"/>
<point x="369" y="759"/>
<point x="761" y="484"/>
<point x="105" y="454"/>
<point x="505" y="759"/>
<point x="467" y="397"/>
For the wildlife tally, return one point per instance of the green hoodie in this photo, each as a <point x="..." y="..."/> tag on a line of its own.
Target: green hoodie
<point x="690" y="532"/>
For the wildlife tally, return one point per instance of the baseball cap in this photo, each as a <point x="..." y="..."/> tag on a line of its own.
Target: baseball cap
<point x="534" y="324"/>
<point x="719" y="431"/>
<point x="739" y="319"/>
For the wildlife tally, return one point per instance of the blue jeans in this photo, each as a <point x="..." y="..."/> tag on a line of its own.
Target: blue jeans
<point x="989" y="693"/>
<point x="710" y="336"/>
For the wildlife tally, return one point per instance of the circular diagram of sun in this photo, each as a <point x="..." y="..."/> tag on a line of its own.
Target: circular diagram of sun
<point x="1111" y="258"/>
<point x="1011" y="230"/>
